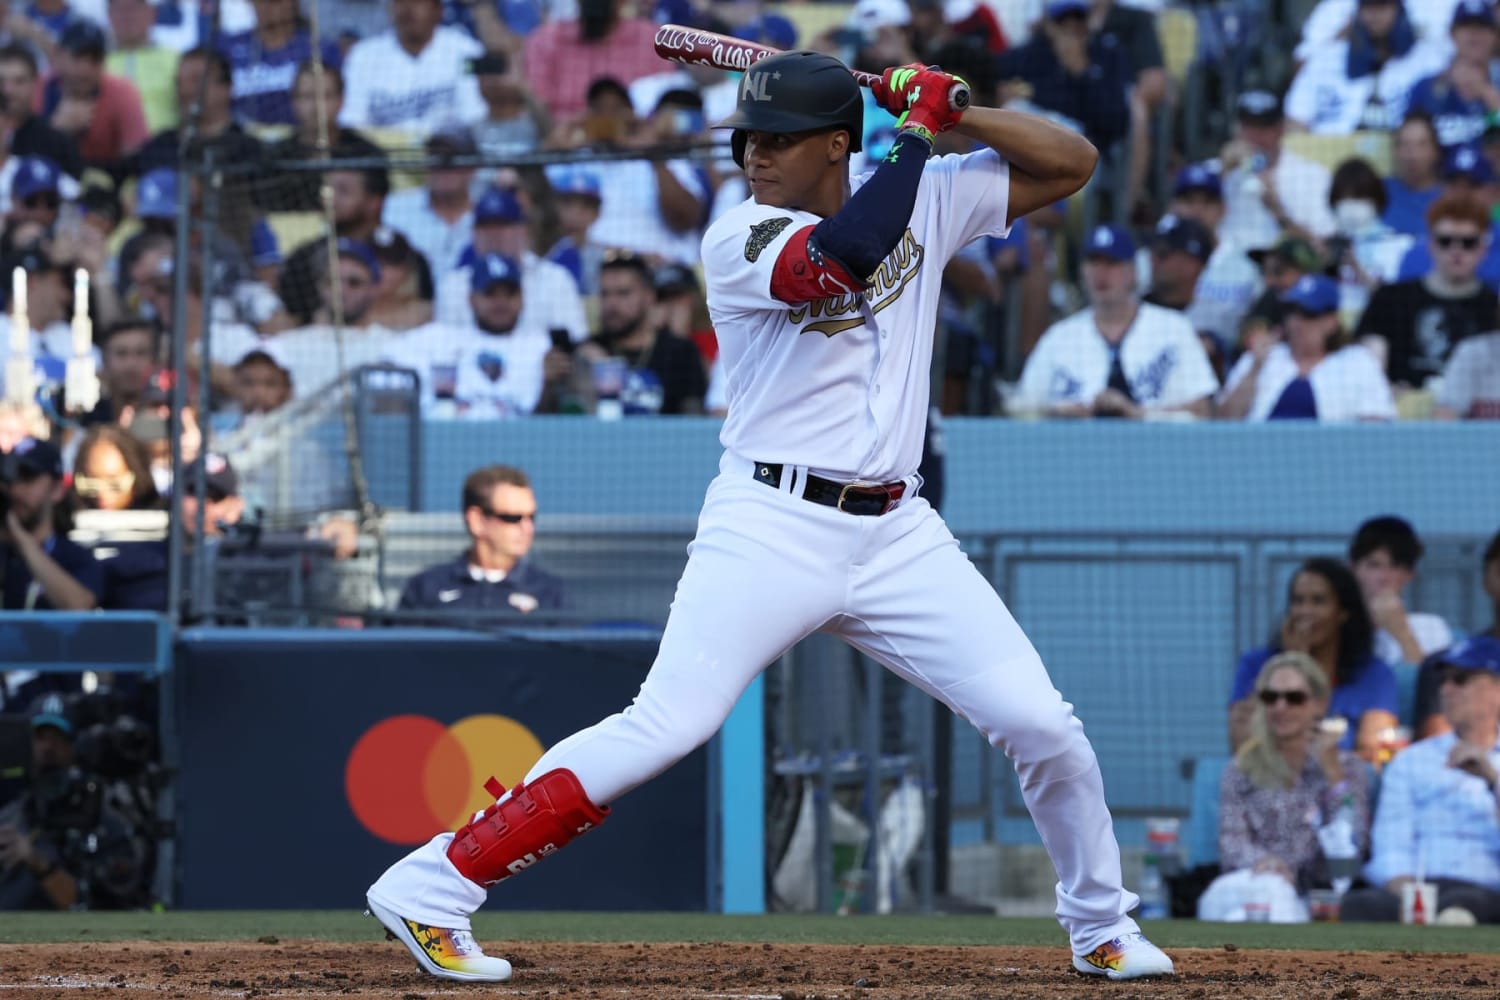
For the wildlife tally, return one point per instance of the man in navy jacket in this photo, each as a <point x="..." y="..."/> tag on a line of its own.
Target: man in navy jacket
<point x="493" y="577"/>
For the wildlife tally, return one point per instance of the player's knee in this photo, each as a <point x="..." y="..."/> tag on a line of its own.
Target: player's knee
<point x="1038" y="735"/>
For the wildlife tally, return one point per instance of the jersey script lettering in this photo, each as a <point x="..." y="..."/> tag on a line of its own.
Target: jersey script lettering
<point x="887" y="284"/>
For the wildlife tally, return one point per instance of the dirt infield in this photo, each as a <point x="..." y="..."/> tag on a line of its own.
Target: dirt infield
<point x="276" y="968"/>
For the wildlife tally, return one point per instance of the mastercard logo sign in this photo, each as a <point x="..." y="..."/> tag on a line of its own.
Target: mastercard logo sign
<point x="410" y="777"/>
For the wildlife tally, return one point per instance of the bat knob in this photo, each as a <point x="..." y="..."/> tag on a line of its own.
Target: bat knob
<point x="959" y="96"/>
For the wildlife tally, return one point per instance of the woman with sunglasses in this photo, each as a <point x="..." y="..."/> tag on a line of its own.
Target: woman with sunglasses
<point x="1311" y="374"/>
<point x="112" y="472"/>
<point x="1327" y="619"/>
<point x="1288" y="780"/>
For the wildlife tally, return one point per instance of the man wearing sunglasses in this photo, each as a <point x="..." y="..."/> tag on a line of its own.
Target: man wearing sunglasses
<point x="1439" y="811"/>
<point x="1416" y="324"/>
<point x="493" y="578"/>
<point x="40" y="570"/>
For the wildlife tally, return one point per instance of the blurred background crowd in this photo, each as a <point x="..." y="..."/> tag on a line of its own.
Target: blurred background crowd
<point x="241" y="237"/>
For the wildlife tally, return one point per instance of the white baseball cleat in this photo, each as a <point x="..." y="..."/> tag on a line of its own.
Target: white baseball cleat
<point x="451" y="954"/>
<point x="1127" y="957"/>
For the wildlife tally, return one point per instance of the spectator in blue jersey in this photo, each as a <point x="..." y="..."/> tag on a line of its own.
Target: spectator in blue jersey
<point x="263" y="61"/>
<point x="1062" y="70"/>
<point x="1326" y="618"/>
<point x="1416" y="175"/>
<point x="576" y="197"/>
<point x="52" y="16"/>
<point x="1465" y="171"/>
<point x="1459" y="98"/>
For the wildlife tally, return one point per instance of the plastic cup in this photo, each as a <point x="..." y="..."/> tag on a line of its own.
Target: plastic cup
<point x="1419" y="902"/>
<point x="1323" y="905"/>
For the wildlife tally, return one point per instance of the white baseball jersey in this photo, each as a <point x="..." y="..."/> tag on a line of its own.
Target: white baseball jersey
<point x="468" y="372"/>
<point x="840" y="385"/>
<point x="1347" y="385"/>
<point x="1161" y="355"/>
<point x="387" y="87"/>
<point x="1328" y="102"/>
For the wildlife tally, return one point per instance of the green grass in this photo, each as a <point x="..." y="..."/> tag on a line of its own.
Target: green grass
<point x="895" y="930"/>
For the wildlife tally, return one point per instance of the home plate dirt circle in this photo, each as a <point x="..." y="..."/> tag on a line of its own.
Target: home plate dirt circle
<point x="275" y="967"/>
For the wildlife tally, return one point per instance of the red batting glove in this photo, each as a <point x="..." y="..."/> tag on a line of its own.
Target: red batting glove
<point x="890" y="89"/>
<point x="919" y="94"/>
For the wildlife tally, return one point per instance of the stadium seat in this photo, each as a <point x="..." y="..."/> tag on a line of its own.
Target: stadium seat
<point x="1331" y="150"/>
<point x="1177" y="30"/>
<point x="812" y="19"/>
<point x="292" y="229"/>
<point x="1202" y="840"/>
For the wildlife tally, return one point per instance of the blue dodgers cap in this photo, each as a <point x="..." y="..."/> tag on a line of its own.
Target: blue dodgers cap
<point x="1111" y="242"/>
<point x="35" y="175"/>
<point x="38" y="456"/>
<point x="51" y="710"/>
<point x="1059" y="8"/>
<point x="1178" y="232"/>
<point x="156" y="195"/>
<point x="1468" y="163"/>
<point x="362" y="253"/>
<point x="1480" y="12"/>
<point x="492" y="269"/>
<point x="499" y="205"/>
<point x="1313" y="293"/>
<point x="1478" y="652"/>
<point x="1199" y="177"/>
<point x="584" y="183"/>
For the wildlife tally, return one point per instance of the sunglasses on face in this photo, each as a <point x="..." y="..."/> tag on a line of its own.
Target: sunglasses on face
<point x="92" y="486"/>
<point x="507" y="518"/>
<point x="1457" y="676"/>
<point x="1446" y="241"/>
<point x="1294" y="698"/>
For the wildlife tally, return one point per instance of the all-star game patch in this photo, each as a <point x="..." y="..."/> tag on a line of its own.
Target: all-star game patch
<point x="761" y="235"/>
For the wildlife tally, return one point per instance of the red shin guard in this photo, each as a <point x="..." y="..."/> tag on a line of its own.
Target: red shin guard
<point x="513" y="835"/>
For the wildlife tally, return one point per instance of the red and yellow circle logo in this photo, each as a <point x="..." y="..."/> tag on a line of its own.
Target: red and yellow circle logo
<point x="410" y="777"/>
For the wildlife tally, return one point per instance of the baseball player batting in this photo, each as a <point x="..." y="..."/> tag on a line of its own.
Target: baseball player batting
<point x="824" y="295"/>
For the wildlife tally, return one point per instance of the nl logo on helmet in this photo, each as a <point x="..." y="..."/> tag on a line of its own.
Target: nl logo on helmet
<point x="754" y="87"/>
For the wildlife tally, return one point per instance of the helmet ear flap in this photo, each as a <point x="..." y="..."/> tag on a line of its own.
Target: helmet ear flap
<point x="737" y="146"/>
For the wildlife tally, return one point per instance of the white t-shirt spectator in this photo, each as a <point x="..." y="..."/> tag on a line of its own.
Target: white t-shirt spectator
<point x="1228" y="286"/>
<point x="387" y="87"/>
<point x="500" y="375"/>
<point x="1346" y="385"/>
<point x="1324" y="99"/>
<point x="1303" y="187"/>
<point x="630" y="213"/>
<point x="1161" y="356"/>
<point x="550" y="299"/>
<point x="311" y="355"/>
<point x="440" y="241"/>
<point x="1430" y="631"/>
<point x="1471" y="379"/>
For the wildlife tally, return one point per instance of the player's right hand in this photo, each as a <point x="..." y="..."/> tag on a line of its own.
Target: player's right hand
<point x="919" y="95"/>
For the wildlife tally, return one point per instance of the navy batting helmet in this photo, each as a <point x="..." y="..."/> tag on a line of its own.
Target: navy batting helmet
<point x="796" y="91"/>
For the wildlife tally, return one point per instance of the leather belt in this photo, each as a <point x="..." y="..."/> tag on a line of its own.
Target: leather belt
<point x="862" y="499"/>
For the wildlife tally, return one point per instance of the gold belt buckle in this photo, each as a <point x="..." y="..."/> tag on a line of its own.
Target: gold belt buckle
<point x="855" y="486"/>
